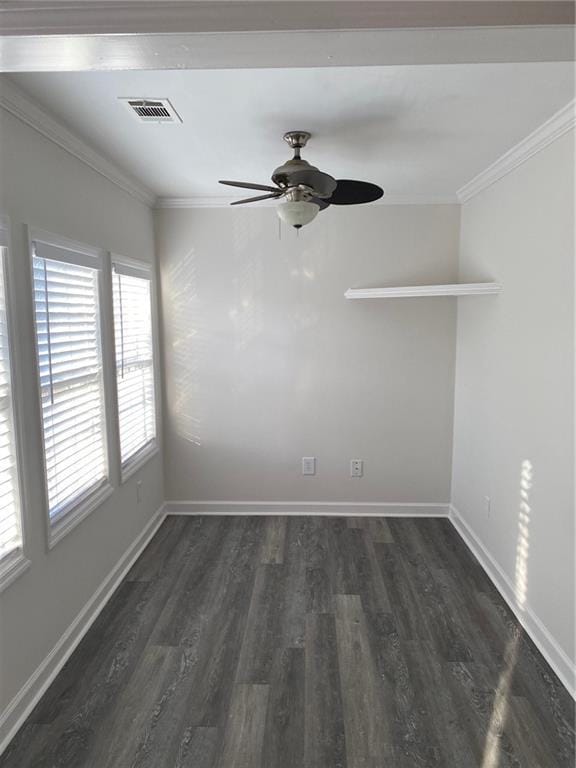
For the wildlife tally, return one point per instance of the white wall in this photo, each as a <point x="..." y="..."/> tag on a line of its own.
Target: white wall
<point x="44" y="186"/>
<point x="266" y="362"/>
<point x="514" y="401"/>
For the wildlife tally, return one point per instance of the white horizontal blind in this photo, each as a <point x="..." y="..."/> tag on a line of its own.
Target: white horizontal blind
<point x="70" y="363"/>
<point x="10" y="528"/>
<point x="134" y="362"/>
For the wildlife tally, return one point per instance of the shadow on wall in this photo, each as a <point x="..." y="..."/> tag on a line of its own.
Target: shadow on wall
<point x="501" y="704"/>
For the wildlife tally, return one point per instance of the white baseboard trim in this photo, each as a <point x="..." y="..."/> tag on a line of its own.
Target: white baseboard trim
<point x="331" y="508"/>
<point x="31" y="692"/>
<point x="546" y="644"/>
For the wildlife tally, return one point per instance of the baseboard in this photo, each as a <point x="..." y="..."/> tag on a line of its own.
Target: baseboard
<point x="331" y="508"/>
<point x="546" y="644"/>
<point x="28" y="696"/>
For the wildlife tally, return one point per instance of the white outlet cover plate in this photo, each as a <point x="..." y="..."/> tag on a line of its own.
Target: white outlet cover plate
<point x="356" y="467"/>
<point x="308" y="465"/>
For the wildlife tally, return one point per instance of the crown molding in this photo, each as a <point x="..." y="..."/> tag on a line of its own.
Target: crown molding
<point x="560" y="123"/>
<point x="19" y="104"/>
<point x="224" y="202"/>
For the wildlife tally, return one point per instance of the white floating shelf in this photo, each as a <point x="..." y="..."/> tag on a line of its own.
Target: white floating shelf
<point x="416" y="291"/>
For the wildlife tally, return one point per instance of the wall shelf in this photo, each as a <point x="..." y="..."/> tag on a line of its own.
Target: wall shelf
<point x="416" y="291"/>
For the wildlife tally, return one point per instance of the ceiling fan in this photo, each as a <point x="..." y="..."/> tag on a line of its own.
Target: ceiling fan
<point x="304" y="190"/>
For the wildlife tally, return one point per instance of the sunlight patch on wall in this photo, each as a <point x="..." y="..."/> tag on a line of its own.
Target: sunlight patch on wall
<point x="501" y="704"/>
<point x="523" y="543"/>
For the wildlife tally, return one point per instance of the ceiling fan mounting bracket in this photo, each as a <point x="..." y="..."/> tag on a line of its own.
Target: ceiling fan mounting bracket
<point x="297" y="139"/>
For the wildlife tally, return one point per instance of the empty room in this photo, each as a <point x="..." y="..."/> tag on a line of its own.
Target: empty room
<point x="287" y="384"/>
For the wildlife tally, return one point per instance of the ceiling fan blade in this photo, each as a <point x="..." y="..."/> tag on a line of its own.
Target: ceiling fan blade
<point x="320" y="202"/>
<point x="279" y="193"/>
<point x="249" y="185"/>
<point x="322" y="183"/>
<point x="349" y="192"/>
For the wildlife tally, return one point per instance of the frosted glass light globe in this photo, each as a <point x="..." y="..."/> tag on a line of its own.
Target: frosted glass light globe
<point x="298" y="213"/>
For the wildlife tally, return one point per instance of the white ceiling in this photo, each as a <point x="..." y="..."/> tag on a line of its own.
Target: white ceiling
<point x="415" y="130"/>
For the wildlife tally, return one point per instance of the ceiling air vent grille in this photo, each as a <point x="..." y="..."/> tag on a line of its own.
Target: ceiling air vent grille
<point x="152" y="110"/>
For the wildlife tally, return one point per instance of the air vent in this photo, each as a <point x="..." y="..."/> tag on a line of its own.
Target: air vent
<point x="152" y="110"/>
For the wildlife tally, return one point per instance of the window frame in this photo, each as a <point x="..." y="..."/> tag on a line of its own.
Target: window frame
<point x="144" y="270"/>
<point x="73" y="252"/>
<point x="16" y="562"/>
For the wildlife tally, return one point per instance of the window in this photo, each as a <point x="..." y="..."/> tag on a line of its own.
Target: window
<point x="68" y="336"/>
<point x="134" y="362"/>
<point x="10" y="513"/>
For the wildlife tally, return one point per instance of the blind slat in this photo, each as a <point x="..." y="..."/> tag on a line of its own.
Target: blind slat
<point x="134" y="363"/>
<point x="70" y="361"/>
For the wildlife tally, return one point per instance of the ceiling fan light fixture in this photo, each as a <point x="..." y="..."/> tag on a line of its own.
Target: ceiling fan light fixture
<point x="297" y="213"/>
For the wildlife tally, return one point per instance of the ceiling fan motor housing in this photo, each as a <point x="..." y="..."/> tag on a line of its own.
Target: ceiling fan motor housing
<point x="282" y="174"/>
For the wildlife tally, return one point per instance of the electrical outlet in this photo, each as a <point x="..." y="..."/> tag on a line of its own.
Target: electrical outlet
<point x="308" y="465"/>
<point x="356" y="467"/>
<point x="487" y="506"/>
<point x="138" y="491"/>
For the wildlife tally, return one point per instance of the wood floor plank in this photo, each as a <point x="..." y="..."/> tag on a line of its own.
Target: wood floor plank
<point x="81" y="671"/>
<point x="28" y="748"/>
<point x="377" y="527"/>
<point x="305" y="544"/>
<point x="162" y="549"/>
<point x="482" y="711"/>
<point x="318" y="592"/>
<point x="217" y="643"/>
<point x="370" y="582"/>
<point x="436" y="608"/>
<point x="274" y="536"/>
<point x="415" y="741"/>
<point x="367" y="727"/>
<point x="325" y="742"/>
<point x="188" y="603"/>
<point x="403" y="594"/>
<point x="85" y="702"/>
<point x="309" y="541"/>
<point x="244" y="734"/>
<point x="529" y="738"/>
<point x="197" y="748"/>
<point x="344" y="577"/>
<point x="438" y="706"/>
<point x="285" y="724"/>
<point x="380" y="531"/>
<point x="133" y="710"/>
<point x="162" y="733"/>
<point x="262" y="637"/>
<point x="357" y="643"/>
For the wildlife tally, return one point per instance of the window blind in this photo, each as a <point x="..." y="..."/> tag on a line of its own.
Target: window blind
<point x="134" y="361"/>
<point x="10" y="529"/>
<point x="71" y="383"/>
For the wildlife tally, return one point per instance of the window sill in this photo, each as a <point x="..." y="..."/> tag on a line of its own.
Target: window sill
<point x="139" y="460"/>
<point x="69" y="520"/>
<point x="12" y="566"/>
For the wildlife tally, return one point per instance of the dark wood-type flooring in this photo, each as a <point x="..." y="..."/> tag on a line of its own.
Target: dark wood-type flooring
<point x="315" y="642"/>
